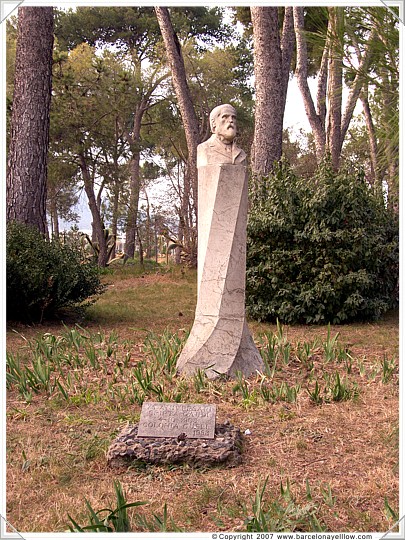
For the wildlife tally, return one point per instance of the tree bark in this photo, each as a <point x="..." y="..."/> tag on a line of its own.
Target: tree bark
<point x="148" y="247"/>
<point x="53" y="211"/>
<point x="356" y="86"/>
<point x="134" y="139"/>
<point x="335" y="87"/>
<point x="321" y="90"/>
<point x="97" y="223"/>
<point x="272" y="59"/>
<point x="188" y="115"/>
<point x="114" y="219"/>
<point x="27" y="160"/>
<point x="130" y="232"/>
<point x="140" y="246"/>
<point x="316" y="119"/>
<point x="390" y="144"/>
<point x="372" y="137"/>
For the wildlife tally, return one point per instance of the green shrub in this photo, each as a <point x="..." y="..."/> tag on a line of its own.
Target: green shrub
<point x="320" y="250"/>
<point x="43" y="276"/>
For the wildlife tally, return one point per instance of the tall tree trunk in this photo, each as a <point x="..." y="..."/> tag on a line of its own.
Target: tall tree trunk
<point x="188" y="115"/>
<point x="328" y="122"/>
<point x="53" y="210"/>
<point x="114" y="220"/>
<point x="135" y="181"/>
<point x="138" y="233"/>
<point x="130" y="233"/>
<point x="372" y="137"/>
<point x="335" y="86"/>
<point x="316" y="118"/>
<point x="272" y="59"/>
<point x="363" y="95"/>
<point x="148" y="247"/>
<point x="27" y="161"/>
<point x="97" y="223"/>
<point x="184" y="221"/>
<point x="390" y="143"/>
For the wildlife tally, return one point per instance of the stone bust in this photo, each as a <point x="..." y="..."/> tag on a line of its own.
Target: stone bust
<point x="220" y="148"/>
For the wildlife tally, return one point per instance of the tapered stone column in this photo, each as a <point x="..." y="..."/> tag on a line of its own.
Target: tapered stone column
<point x="220" y="341"/>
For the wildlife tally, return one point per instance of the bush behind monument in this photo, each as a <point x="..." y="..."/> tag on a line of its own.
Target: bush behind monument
<point x="320" y="250"/>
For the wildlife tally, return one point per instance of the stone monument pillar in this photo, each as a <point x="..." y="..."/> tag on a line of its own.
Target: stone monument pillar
<point x="220" y="341"/>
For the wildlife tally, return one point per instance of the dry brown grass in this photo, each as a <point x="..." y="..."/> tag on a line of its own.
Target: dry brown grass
<point x="56" y="450"/>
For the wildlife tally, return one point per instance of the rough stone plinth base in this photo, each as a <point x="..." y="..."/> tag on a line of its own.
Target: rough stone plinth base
<point x="225" y="448"/>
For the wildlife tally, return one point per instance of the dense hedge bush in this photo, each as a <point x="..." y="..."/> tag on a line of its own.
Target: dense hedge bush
<point x="320" y="250"/>
<point x="43" y="276"/>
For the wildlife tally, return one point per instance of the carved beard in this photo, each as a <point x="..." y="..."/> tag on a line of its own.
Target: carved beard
<point x="227" y="133"/>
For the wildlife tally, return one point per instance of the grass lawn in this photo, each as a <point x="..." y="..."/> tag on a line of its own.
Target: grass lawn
<point x="323" y="420"/>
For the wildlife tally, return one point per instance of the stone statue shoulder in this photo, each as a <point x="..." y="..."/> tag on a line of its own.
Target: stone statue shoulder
<point x="212" y="152"/>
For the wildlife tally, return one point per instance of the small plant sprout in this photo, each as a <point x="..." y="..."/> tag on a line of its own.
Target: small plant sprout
<point x="164" y="350"/>
<point x="315" y="394"/>
<point x="107" y="519"/>
<point x="326" y="492"/>
<point x="284" y="515"/>
<point x="388" y="368"/>
<point x="242" y="385"/>
<point x="158" y="523"/>
<point x="389" y="512"/>
<point x="200" y="380"/>
<point x="330" y="346"/>
<point x="269" y="353"/>
<point x="305" y="352"/>
<point x="338" y="389"/>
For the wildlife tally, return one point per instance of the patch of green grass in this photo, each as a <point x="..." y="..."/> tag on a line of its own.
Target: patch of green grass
<point x="335" y="388"/>
<point x="284" y="514"/>
<point x="388" y="368"/>
<point x="157" y="523"/>
<point x="147" y="304"/>
<point x="95" y="447"/>
<point x="107" y="519"/>
<point x="150" y="300"/>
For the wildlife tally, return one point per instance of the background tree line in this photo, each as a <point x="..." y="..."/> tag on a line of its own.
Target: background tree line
<point x="112" y="100"/>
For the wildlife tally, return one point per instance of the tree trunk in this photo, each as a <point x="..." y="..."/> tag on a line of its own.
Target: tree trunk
<point x="316" y="119"/>
<point x="114" y="220"/>
<point x="176" y="63"/>
<point x="130" y="232"/>
<point x="321" y="90"/>
<point x="389" y="143"/>
<point x="148" y="247"/>
<point x="190" y="121"/>
<point x="335" y="86"/>
<point x="53" y="210"/>
<point x="272" y="59"/>
<point x="140" y="246"/>
<point x="356" y="86"/>
<point x="372" y="137"/>
<point x="135" y="182"/>
<point x="27" y="161"/>
<point x="328" y="124"/>
<point x="363" y="94"/>
<point x="97" y="223"/>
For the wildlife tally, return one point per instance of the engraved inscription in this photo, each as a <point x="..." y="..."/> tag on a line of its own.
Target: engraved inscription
<point x="179" y="420"/>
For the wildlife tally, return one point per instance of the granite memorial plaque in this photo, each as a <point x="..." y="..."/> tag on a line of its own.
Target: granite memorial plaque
<point x="177" y="420"/>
